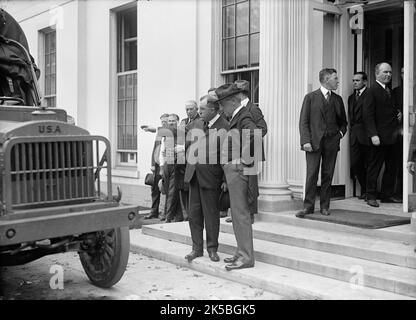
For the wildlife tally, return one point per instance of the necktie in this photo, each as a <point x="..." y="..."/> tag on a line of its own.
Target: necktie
<point x="357" y="94"/>
<point x="328" y="95"/>
<point x="388" y="91"/>
<point x="206" y="128"/>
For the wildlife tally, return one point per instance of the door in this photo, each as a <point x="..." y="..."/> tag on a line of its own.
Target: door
<point x="409" y="101"/>
<point x="324" y="36"/>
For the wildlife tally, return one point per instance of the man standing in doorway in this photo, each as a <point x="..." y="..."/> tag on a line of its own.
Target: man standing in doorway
<point x="381" y="121"/>
<point x="322" y="125"/>
<point x="359" y="141"/>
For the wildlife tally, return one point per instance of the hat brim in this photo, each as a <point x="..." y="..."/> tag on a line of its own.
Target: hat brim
<point x="229" y="95"/>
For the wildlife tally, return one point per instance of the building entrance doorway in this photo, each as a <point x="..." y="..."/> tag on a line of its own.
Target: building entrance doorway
<point x="382" y="40"/>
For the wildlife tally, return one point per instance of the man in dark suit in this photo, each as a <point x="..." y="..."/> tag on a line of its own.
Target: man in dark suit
<point x="155" y="168"/>
<point x="322" y="125"/>
<point x="237" y="166"/>
<point x="381" y="122"/>
<point x="261" y="124"/>
<point x="359" y="141"/>
<point x="205" y="177"/>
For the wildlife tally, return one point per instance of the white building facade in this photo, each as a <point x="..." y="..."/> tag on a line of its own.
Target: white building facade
<point x="115" y="65"/>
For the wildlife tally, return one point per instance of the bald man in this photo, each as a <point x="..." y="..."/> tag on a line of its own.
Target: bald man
<point x="382" y="125"/>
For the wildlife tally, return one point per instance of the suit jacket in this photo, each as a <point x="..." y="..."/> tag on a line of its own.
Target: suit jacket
<point x="380" y="115"/>
<point x="355" y="119"/>
<point x="210" y="176"/>
<point x="240" y="126"/>
<point x="258" y="119"/>
<point x="312" y="124"/>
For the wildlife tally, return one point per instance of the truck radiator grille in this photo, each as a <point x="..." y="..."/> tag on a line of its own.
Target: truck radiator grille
<point x="54" y="172"/>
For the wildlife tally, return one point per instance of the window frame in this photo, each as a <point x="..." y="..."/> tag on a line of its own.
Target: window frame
<point x="238" y="72"/>
<point x="120" y="71"/>
<point x="43" y="36"/>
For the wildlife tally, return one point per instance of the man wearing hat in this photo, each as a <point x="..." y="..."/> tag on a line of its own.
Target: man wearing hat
<point x="205" y="177"/>
<point x="236" y="165"/>
<point x="258" y="119"/>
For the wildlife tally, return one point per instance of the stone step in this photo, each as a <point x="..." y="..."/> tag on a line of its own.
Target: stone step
<point x="403" y="233"/>
<point x="343" y="243"/>
<point x="290" y="284"/>
<point x="372" y="274"/>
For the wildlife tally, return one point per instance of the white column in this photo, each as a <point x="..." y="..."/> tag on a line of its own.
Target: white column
<point x="282" y="87"/>
<point x="409" y="67"/>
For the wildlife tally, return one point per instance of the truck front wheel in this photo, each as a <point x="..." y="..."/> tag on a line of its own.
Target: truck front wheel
<point x="105" y="255"/>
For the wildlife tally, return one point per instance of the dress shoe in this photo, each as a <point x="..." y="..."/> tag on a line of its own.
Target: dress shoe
<point x="391" y="200"/>
<point x="373" y="203"/>
<point x="325" y="212"/>
<point x="213" y="255"/>
<point x="362" y="197"/>
<point x="162" y="218"/>
<point x="191" y="256"/>
<point x="238" y="265"/>
<point x="152" y="215"/>
<point x="229" y="219"/>
<point x="231" y="260"/>
<point x="302" y="213"/>
<point x="223" y="214"/>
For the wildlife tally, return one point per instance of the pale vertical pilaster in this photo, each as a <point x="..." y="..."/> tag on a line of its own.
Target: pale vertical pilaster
<point x="282" y="87"/>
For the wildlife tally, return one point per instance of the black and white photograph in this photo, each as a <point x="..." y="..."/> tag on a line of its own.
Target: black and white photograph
<point x="210" y="155"/>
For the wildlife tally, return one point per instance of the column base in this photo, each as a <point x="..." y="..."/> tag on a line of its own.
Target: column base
<point x="297" y="189"/>
<point x="277" y="198"/>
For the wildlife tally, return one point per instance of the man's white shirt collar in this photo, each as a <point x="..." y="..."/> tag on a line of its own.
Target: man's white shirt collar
<point x="324" y="91"/>
<point x="362" y="90"/>
<point x="381" y="84"/>
<point x="245" y="102"/>
<point x="236" y="111"/>
<point x="213" y="120"/>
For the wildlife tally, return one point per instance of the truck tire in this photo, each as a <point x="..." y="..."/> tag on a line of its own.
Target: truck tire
<point x="105" y="259"/>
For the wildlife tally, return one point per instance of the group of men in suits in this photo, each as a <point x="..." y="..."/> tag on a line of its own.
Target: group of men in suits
<point x="220" y="159"/>
<point x="374" y="118"/>
<point x="168" y="165"/>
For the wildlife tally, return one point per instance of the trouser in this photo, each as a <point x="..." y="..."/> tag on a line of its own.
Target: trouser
<point x="253" y="186"/>
<point x="327" y="152"/>
<point x="155" y="192"/>
<point x="184" y="201"/>
<point x="377" y="156"/>
<point x="204" y="210"/>
<point x="172" y="205"/>
<point x="237" y="184"/>
<point x="359" y="154"/>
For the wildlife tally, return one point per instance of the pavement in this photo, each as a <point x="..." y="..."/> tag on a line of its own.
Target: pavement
<point x="145" y="279"/>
